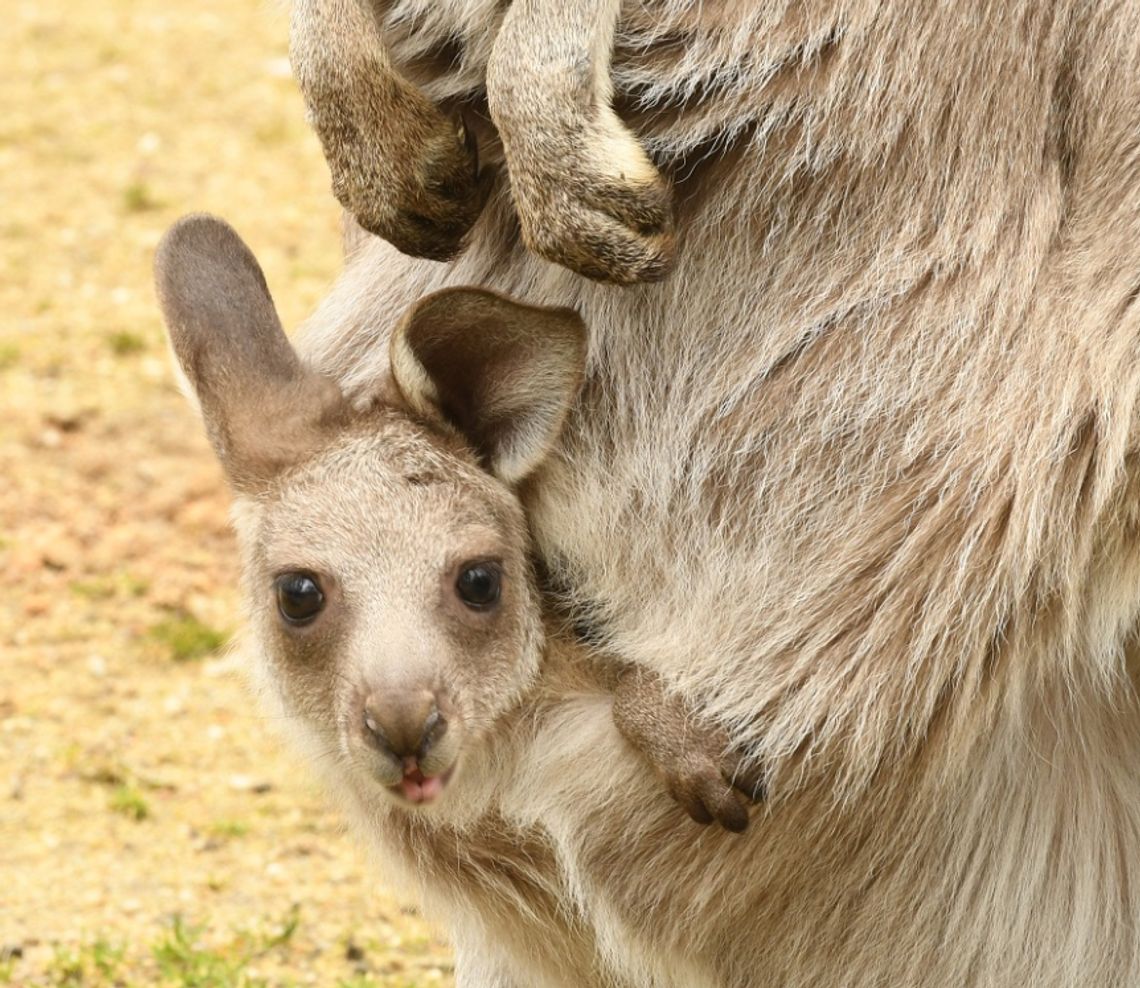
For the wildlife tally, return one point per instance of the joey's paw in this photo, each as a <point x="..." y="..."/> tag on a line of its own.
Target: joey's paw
<point x="414" y="182"/>
<point x="692" y="757"/>
<point x="708" y="793"/>
<point x="606" y="213"/>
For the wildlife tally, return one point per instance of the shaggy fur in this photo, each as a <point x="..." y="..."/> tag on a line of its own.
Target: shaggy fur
<point x="859" y="479"/>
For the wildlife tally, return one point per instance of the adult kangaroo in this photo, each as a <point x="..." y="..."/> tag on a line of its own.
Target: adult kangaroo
<point x="858" y="480"/>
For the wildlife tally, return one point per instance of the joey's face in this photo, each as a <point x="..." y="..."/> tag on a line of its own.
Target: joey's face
<point x="385" y="556"/>
<point x="392" y="602"/>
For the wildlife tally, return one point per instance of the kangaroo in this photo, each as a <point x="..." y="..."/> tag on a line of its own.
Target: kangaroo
<point x="396" y="622"/>
<point x="858" y="480"/>
<point x="586" y="193"/>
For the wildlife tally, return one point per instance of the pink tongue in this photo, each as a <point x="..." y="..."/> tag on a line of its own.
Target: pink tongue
<point x="417" y="789"/>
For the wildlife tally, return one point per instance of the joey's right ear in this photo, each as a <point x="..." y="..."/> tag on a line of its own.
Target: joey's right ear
<point x="262" y="409"/>
<point x="503" y="373"/>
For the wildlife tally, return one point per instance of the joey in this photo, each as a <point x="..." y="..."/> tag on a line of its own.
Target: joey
<point x="394" y="610"/>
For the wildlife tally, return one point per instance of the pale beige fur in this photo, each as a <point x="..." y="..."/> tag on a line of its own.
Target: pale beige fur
<point x="859" y="479"/>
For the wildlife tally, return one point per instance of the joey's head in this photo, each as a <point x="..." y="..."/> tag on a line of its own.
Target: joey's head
<point x="393" y="612"/>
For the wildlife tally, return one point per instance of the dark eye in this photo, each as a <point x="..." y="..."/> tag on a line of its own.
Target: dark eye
<point x="478" y="585"/>
<point x="299" y="597"/>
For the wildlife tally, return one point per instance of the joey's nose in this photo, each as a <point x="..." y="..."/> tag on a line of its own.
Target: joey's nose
<point x="405" y="724"/>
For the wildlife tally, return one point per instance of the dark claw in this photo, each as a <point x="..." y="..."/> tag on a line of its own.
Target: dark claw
<point x="751" y="783"/>
<point x="690" y="801"/>
<point x="733" y="817"/>
<point x="726" y="805"/>
<point x="467" y="138"/>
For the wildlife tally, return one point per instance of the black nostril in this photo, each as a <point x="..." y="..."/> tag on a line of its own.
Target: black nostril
<point x="373" y="728"/>
<point x="435" y="727"/>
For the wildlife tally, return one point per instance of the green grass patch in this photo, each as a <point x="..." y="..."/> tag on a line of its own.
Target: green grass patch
<point x="139" y="198"/>
<point x="98" y="588"/>
<point x="124" y="343"/>
<point x="187" y="638"/>
<point x="183" y="961"/>
<point x="127" y="799"/>
<point x="227" y="829"/>
<point x="9" y="356"/>
<point x="97" y="963"/>
<point x="133" y="586"/>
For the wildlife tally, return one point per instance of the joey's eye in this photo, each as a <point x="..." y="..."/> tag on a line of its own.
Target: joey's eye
<point x="299" y="597"/>
<point x="479" y="585"/>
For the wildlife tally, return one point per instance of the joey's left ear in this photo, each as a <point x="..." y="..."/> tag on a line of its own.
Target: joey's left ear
<point x="504" y="374"/>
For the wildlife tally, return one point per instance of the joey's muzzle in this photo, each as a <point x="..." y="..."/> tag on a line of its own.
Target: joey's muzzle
<point x="410" y="730"/>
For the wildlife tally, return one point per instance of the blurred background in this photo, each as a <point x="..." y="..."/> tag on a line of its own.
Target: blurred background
<point x="153" y="831"/>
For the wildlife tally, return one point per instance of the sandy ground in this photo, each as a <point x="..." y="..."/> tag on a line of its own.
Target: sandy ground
<point x="137" y="782"/>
